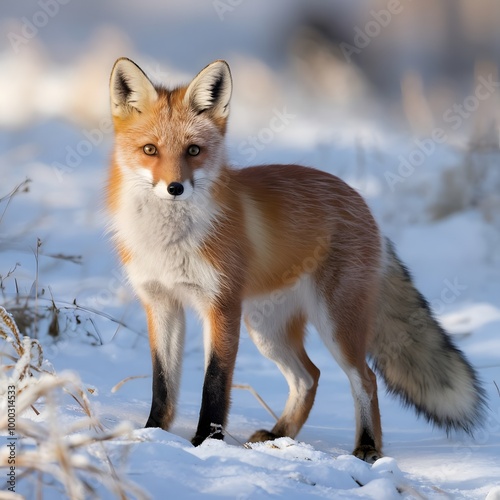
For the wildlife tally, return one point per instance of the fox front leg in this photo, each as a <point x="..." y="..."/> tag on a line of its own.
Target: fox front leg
<point x="166" y="330"/>
<point x="221" y="331"/>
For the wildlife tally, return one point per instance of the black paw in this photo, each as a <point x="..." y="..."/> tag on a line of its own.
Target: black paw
<point x="152" y="422"/>
<point x="197" y="440"/>
<point x="367" y="453"/>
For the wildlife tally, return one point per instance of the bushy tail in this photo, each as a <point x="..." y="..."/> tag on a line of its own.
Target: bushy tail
<point x="417" y="358"/>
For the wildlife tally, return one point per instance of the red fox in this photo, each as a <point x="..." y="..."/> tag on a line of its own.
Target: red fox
<point x="280" y="246"/>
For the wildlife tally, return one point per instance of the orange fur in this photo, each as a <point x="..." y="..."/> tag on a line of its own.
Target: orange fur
<point x="287" y="247"/>
<point x="152" y="330"/>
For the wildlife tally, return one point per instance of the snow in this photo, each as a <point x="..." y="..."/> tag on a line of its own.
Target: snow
<point x="454" y="260"/>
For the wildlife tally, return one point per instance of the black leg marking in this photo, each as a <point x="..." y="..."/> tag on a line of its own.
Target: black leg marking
<point x="214" y="403"/>
<point x="366" y="439"/>
<point x="159" y="401"/>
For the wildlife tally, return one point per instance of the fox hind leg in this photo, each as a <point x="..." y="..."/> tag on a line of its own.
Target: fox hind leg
<point x="368" y="428"/>
<point x="282" y="340"/>
<point x="346" y="340"/>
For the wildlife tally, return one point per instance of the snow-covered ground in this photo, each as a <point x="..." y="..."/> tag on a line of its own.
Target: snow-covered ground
<point x="455" y="260"/>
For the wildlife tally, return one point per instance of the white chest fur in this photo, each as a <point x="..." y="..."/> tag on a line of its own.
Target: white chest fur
<point x="164" y="238"/>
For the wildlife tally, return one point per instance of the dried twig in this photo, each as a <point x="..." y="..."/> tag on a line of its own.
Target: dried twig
<point x="248" y="387"/>
<point x="22" y="187"/>
<point x="125" y="380"/>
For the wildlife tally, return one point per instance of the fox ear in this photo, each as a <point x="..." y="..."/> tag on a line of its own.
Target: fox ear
<point x="211" y="89"/>
<point x="130" y="89"/>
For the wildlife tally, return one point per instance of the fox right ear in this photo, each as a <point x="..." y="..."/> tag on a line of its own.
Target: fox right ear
<point x="211" y="90"/>
<point x="130" y="89"/>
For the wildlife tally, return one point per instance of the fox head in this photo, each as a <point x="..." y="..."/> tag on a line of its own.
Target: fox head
<point x="170" y="140"/>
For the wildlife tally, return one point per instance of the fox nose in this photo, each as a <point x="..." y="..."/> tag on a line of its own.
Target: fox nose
<point x="175" y="188"/>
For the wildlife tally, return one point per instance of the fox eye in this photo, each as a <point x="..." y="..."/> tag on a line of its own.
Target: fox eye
<point x="150" y="149"/>
<point x="193" y="150"/>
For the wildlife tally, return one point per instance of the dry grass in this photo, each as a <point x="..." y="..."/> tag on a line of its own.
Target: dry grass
<point x="72" y="458"/>
<point x="38" y="313"/>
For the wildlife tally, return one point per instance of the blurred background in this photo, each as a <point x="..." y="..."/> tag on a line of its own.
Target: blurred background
<point x="408" y="60"/>
<point x="400" y="98"/>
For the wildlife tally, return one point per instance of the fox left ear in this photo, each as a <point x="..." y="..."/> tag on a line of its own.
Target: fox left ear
<point x="211" y="89"/>
<point x="130" y="89"/>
